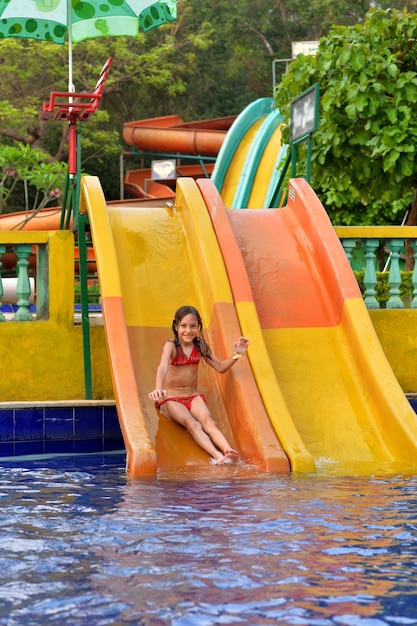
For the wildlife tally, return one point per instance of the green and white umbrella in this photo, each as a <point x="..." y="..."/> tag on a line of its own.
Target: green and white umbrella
<point x="75" y="20"/>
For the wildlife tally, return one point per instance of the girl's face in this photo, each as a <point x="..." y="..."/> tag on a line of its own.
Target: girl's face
<point x="187" y="329"/>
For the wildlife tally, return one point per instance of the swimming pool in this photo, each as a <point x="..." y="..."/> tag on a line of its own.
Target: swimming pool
<point x="81" y="543"/>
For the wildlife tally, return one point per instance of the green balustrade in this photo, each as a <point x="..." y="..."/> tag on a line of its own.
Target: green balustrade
<point x="394" y="278"/>
<point x="22" y="245"/>
<point x="370" y="280"/>
<point x="369" y="239"/>
<point x="23" y="289"/>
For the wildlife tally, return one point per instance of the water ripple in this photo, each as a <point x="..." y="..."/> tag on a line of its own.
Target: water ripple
<point x="82" y="544"/>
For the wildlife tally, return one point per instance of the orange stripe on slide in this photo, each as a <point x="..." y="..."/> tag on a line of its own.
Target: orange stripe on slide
<point x="245" y="410"/>
<point x="258" y="356"/>
<point x="141" y="455"/>
<point x="296" y="266"/>
<point x="288" y="261"/>
<point x="232" y="257"/>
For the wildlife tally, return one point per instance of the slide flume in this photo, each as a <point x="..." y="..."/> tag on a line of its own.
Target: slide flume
<point x="320" y="368"/>
<point x="249" y="162"/>
<point x="150" y="261"/>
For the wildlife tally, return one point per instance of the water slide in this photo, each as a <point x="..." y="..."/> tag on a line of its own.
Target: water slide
<point x="247" y="167"/>
<point x="248" y="149"/>
<point x="170" y="137"/>
<point x="150" y="261"/>
<point x="318" y="363"/>
<point x="170" y="134"/>
<point x="316" y="393"/>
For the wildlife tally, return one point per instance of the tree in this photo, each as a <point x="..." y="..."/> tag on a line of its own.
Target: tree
<point x="364" y="164"/>
<point x="238" y="42"/>
<point x="30" y="70"/>
<point x="24" y="169"/>
<point x="213" y="61"/>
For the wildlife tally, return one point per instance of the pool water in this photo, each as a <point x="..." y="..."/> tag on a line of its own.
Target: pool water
<point x="81" y="544"/>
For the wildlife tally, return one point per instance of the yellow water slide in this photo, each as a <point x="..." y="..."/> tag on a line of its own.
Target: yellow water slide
<point x="152" y="260"/>
<point x="323" y="376"/>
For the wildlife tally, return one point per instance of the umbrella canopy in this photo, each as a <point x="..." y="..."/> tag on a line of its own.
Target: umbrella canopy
<point x="75" y="20"/>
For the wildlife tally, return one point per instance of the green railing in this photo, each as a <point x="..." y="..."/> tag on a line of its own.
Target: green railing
<point x="17" y="252"/>
<point x="391" y="241"/>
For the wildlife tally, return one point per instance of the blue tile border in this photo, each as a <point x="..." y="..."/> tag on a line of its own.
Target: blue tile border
<point x="412" y="398"/>
<point x="61" y="427"/>
<point x="71" y="427"/>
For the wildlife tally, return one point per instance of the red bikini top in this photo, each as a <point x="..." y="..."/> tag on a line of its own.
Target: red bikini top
<point x="182" y="359"/>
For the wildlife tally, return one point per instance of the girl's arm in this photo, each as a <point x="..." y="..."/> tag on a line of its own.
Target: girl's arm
<point x="166" y="357"/>
<point x="222" y="366"/>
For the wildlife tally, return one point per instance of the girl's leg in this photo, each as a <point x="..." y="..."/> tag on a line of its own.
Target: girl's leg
<point x="180" y="414"/>
<point x="201" y="412"/>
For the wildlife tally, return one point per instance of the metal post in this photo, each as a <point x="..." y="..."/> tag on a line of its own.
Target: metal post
<point x="85" y="321"/>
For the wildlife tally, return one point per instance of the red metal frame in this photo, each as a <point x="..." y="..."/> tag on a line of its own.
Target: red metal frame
<point x="78" y="107"/>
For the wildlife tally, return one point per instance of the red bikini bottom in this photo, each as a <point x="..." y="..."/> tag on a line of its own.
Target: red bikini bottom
<point x="185" y="400"/>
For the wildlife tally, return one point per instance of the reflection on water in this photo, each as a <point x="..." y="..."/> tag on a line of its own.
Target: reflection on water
<point x="81" y="543"/>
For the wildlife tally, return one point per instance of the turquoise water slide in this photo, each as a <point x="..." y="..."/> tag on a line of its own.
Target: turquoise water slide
<point x="247" y="166"/>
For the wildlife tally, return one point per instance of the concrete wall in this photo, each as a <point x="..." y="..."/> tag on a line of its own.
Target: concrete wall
<point x="397" y="332"/>
<point x="40" y="370"/>
<point x="43" y="359"/>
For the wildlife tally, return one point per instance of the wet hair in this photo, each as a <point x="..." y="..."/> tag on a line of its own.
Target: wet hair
<point x="199" y="341"/>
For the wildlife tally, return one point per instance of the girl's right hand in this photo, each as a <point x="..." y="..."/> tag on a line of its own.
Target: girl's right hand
<point x="157" y="394"/>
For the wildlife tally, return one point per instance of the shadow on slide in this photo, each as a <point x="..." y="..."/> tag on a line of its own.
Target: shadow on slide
<point x="326" y="384"/>
<point x="150" y="261"/>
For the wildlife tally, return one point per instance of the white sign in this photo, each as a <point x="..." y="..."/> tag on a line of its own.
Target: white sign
<point x="304" y="114"/>
<point x="304" y="47"/>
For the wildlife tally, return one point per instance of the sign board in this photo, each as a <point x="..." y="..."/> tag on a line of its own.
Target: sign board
<point x="164" y="170"/>
<point x="304" y="114"/>
<point x="304" y="47"/>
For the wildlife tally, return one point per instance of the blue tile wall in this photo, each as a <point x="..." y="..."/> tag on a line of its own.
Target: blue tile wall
<point x="29" y="425"/>
<point x="413" y="401"/>
<point x="6" y="426"/>
<point x="60" y="429"/>
<point x="67" y="430"/>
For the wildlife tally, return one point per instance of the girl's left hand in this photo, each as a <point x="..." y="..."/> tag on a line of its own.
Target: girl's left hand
<point x="241" y="345"/>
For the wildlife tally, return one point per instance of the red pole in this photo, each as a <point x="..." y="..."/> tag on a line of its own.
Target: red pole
<point x="72" y="146"/>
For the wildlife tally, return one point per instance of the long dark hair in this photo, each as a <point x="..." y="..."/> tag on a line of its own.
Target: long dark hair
<point x="201" y="344"/>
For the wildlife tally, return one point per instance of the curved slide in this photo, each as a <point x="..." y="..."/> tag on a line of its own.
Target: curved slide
<point x="247" y="167"/>
<point x="319" y="366"/>
<point x="248" y="147"/>
<point x="171" y="134"/>
<point x="150" y="261"/>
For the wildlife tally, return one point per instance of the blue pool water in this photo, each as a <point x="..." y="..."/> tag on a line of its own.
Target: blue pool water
<point x="83" y="544"/>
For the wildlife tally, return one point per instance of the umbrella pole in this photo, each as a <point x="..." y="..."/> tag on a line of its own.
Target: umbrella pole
<point x="71" y="87"/>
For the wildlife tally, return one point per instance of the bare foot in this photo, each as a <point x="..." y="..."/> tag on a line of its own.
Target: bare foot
<point x="220" y="461"/>
<point x="231" y="454"/>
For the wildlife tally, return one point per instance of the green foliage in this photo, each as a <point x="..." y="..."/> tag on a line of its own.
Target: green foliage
<point x="213" y="61"/>
<point x="364" y="153"/>
<point x="382" y="288"/>
<point x="27" y="179"/>
<point x="93" y="293"/>
<point x="142" y="72"/>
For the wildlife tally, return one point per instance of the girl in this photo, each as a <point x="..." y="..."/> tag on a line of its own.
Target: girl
<point x="175" y="392"/>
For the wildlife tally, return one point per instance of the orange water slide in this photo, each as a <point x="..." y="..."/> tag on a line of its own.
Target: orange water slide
<point x="170" y="134"/>
<point x="321" y="371"/>
<point x="140" y="184"/>
<point x="46" y="219"/>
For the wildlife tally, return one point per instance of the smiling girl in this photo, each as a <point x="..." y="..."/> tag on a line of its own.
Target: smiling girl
<point x="175" y="393"/>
